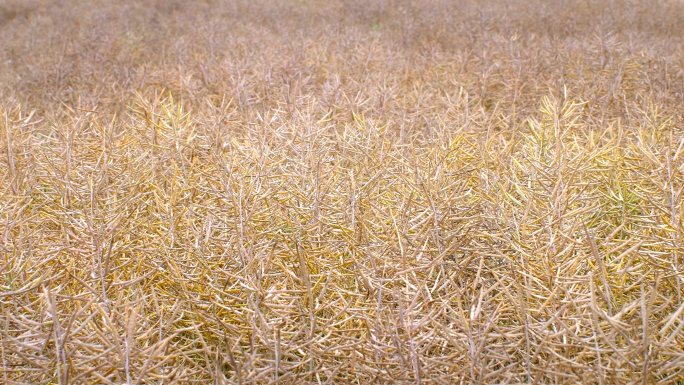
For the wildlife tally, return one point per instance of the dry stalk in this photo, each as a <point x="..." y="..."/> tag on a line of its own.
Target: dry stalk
<point x="389" y="191"/>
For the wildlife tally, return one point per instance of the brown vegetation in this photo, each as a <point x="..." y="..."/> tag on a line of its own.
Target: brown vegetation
<point x="409" y="191"/>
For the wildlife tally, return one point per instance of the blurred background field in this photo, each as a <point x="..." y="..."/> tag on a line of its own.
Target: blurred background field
<point x="409" y="191"/>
